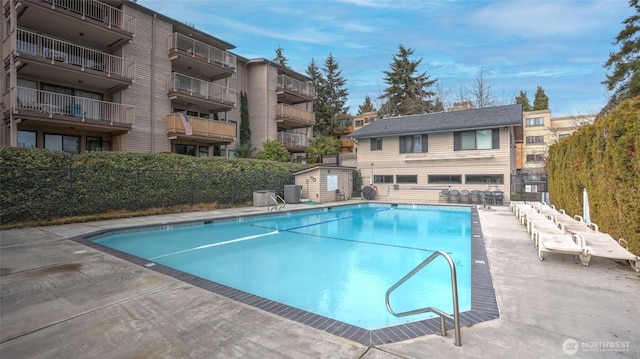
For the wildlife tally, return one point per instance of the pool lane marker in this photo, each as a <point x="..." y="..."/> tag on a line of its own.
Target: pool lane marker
<point x="263" y="234"/>
<point x="334" y="220"/>
<point x="217" y="244"/>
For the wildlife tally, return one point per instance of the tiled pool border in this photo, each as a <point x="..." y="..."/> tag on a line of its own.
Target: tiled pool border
<point x="484" y="306"/>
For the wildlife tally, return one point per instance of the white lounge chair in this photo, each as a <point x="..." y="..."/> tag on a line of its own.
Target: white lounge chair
<point x="563" y="244"/>
<point x="603" y="245"/>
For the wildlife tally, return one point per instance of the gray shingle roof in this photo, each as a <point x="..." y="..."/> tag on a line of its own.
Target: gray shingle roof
<point x="488" y="117"/>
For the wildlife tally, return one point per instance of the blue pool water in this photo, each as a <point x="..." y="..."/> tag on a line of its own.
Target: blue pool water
<point x="336" y="262"/>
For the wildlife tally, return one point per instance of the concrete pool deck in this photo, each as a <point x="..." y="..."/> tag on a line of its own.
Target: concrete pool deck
<point x="60" y="299"/>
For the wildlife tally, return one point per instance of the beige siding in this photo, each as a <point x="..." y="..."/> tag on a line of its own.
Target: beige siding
<point x="148" y="92"/>
<point x="314" y="184"/>
<point x="440" y="160"/>
<point x="258" y="103"/>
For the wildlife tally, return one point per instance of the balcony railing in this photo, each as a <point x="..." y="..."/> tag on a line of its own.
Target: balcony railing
<point x="292" y="140"/>
<point x="51" y="103"/>
<point x="347" y="143"/>
<point x="196" y="87"/>
<point x="292" y="85"/>
<point x="288" y="112"/>
<point x="201" y="50"/>
<point x="31" y="43"/>
<point x="201" y="127"/>
<point x="96" y="10"/>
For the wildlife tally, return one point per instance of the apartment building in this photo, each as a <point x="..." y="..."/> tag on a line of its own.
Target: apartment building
<point x="540" y="131"/>
<point x="115" y="76"/>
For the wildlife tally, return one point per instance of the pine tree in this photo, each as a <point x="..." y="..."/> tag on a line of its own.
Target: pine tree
<point x="367" y="106"/>
<point x="541" y="101"/>
<point x="330" y="95"/>
<point x="280" y="58"/>
<point x="407" y="92"/>
<point x="625" y="62"/>
<point x="524" y="101"/>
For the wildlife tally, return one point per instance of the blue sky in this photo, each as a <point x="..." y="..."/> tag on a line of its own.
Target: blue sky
<point x="519" y="44"/>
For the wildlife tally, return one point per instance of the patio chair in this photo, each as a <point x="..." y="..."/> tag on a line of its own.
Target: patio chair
<point x="465" y="196"/>
<point x="444" y="195"/>
<point x="476" y="196"/>
<point x="604" y="246"/>
<point x="563" y="244"/>
<point x="454" y="194"/>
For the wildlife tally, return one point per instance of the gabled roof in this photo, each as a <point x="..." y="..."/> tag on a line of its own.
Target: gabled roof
<point x="488" y="117"/>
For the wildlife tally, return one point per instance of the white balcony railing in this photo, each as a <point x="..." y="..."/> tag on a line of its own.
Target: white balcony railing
<point x="292" y="85"/>
<point x="292" y="140"/>
<point x="51" y="103"/>
<point x="202" y="51"/>
<point x="200" y="88"/>
<point x="31" y="43"/>
<point x="96" y="10"/>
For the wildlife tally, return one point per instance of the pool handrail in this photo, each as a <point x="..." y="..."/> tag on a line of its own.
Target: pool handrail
<point x="275" y="200"/>
<point x="443" y="315"/>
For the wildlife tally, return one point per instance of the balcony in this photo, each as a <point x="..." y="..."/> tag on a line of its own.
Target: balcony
<point x="294" y="142"/>
<point x="203" y="129"/>
<point x="294" y="91"/>
<point x="187" y="91"/>
<point x="89" y="22"/>
<point x="64" y="110"/>
<point x="72" y="63"/>
<point x="188" y="54"/>
<point x="290" y="117"/>
<point x="347" y="143"/>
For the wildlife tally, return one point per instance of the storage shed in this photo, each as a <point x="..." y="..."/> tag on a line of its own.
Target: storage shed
<point x="323" y="184"/>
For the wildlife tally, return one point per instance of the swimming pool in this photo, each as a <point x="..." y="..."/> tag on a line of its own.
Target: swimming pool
<point x="335" y="262"/>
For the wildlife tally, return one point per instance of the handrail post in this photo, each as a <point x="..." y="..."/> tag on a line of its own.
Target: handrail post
<point x="454" y="291"/>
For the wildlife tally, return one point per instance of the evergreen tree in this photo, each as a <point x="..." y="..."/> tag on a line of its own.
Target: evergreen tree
<point x="244" y="150"/>
<point x="624" y="81"/>
<point x="322" y="145"/>
<point x="524" y="101"/>
<point x="330" y="95"/>
<point x="407" y="93"/>
<point x="367" y="106"/>
<point x="541" y="101"/>
<point x="280" y="58"/>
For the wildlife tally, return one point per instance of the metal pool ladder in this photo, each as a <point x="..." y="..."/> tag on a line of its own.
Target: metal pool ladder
<point x="443" y="315"/>
<point x="277" y="206"/>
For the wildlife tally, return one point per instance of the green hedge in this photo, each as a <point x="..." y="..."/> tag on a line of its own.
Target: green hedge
<point x="40" y="184"/>
<point x="604" y="158"/>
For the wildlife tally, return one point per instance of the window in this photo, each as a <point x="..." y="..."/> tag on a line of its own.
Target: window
<point x="476" y="140"/>
<point x="413" y="144"/>
<point x="538" y="157"/>
<point x="376" y="144"/>
<point x="382" y="179"/>
<point x="535" y="140"/>
<point x="185" y="149"/>
<point x="444" y="178"/>
<point x="484" y="179"/>
<point x="203" y="151"/>
<point x="407" y="179"/>
<point x="358" y="123"/>
<point x="562" y="136"/>
<point x="27" y="139"/>
<point x="94" y="143"/>
<point x="535" y="121"/>
<point x="70" y="144"/>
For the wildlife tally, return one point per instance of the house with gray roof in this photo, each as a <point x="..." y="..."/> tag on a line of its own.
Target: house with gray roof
<point x="412" y="158"/>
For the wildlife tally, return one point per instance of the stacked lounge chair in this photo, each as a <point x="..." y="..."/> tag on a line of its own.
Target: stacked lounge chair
<point x="547" y="236"/>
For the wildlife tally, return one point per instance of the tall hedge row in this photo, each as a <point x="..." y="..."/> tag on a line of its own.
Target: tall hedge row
<point x="604" y="158"/>
<point x="39" y="184"/>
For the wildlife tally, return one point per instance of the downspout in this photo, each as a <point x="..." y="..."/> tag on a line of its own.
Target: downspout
<point x="153" y="83"/>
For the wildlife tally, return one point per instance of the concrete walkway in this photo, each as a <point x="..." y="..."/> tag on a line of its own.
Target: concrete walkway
<point x="60" y="299"/>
